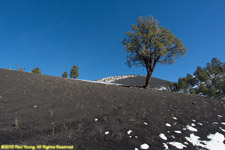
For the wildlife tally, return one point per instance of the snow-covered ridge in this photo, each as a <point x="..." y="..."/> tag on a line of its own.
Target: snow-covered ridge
<point x="114" y="78"/>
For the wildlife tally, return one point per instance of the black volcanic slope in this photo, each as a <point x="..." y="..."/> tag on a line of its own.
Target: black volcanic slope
<point x="140" y="81"/>
<point x="55" y="111"/>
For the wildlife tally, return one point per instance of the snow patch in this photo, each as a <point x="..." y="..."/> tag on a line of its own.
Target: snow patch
<point x="144" y="146"/>
<point x="215" y="143"/>
<point x="129" y="131"/>
<point x="179" y="132"/>
<point x="165" y="146"/>
<point x="200" y="124"/>
<point x="107" y="132"/>
<point x="177" y="145"/>
<point x="145" y="123"/>
<point x="114" y="78"/>
<point x="168" y="125"/>
<point x="174" y="118"/>
<point x="96" y="119"/>
<point x="222" y="129"/>
<point x="162" y="136"/>
<point x="191" y="128"/>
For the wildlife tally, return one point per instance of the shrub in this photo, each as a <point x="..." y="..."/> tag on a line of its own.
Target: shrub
<point x="36" y="71"/>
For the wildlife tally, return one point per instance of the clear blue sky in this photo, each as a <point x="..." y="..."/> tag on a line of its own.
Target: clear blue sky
<point x="54" y="35"/>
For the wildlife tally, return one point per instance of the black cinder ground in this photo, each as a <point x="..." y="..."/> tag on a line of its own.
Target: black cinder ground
<point x="56" y="111"/>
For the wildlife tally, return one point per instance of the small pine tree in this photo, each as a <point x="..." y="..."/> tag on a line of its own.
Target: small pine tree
<point x="201" y="74"/>
<point x="65" y="74"/>
<point x="182" y="84"/>
<point x="203" y="89"/>
<point x="192" y="91"/>
<point x="74" y="73"/>
<point x="212" y="91"/>
<point x="190" y="79"/>
<point x="36" y="71"/>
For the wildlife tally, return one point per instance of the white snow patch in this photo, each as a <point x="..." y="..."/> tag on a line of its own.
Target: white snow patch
<point x="219" y="116"/>
<point x="162" y="88"/>
<point x="186" y="143"/>
<point x="172" y="136"/>
<point x="223" y="123"/>
<point x="222" y="129"/>
<point x="177" y="131"/>
<point x="162" y="136"/>
<point x="177" y="145"/>
<point x="144" y="146"/>
<point x="193" y="120"/>
<point x="215" y="143"/>
<point x="35" y="106"/>
<point x="129" y="131"/>
<point x="215" y="122"/>
<point x="107" y="132"/>
<point x="136" y="149"/>
<point x="191" y="128"/>
<point x="165" y="146"/>
<point x="136" y="136"/>
<point x="96" y="119"/>
<point x="168" y="125"/>
<point x="192" y="124"/>
<point x="200" y="124"/>
<point x="145" y="123"/>
<point x="174" y="118"/>
<point x="114" y="78"/>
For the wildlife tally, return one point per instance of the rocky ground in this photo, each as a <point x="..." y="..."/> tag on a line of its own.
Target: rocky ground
<point x="40" y="109"/>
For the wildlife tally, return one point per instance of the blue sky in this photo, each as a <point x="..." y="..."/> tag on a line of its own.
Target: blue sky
<point x="54" y="35"/>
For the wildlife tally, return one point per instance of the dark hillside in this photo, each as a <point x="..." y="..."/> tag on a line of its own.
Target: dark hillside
<point x="140" y="81"/>
<point x="56" y="111"/>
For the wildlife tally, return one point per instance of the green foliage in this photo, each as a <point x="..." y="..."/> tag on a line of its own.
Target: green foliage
<point x="212" y="91"/>
<point x="192" y="91"/>
<point x="36" y="71"/>
<point x="74" y="73"/>
<point x="216" y="67"/>
<point x="172" y="86"/>
<point x="148" y="44"/>
<point x="65" y="74"/>
<point x="203" y="89"/>
<point x="190" y="80"/>
<point x="182" y="84"/>
<point x="211" y="80"/>
<point x="201" y="74"/>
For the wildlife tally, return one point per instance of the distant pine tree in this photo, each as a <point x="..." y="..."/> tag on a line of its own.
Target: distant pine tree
<point x="74" y="73"/>
<point x="36" y="71"/>
<point x="65" y="74"/>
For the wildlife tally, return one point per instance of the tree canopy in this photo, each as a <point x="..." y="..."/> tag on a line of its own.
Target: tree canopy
<point x="74" y="73"/>
<point x="36" y="71"/>
<point x="208" y="81"/>
<point x="65" y="74"/>
<point x="148" y="44"/>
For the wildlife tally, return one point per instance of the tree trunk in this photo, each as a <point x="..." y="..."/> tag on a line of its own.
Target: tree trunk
<point x="148" y="79"/>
